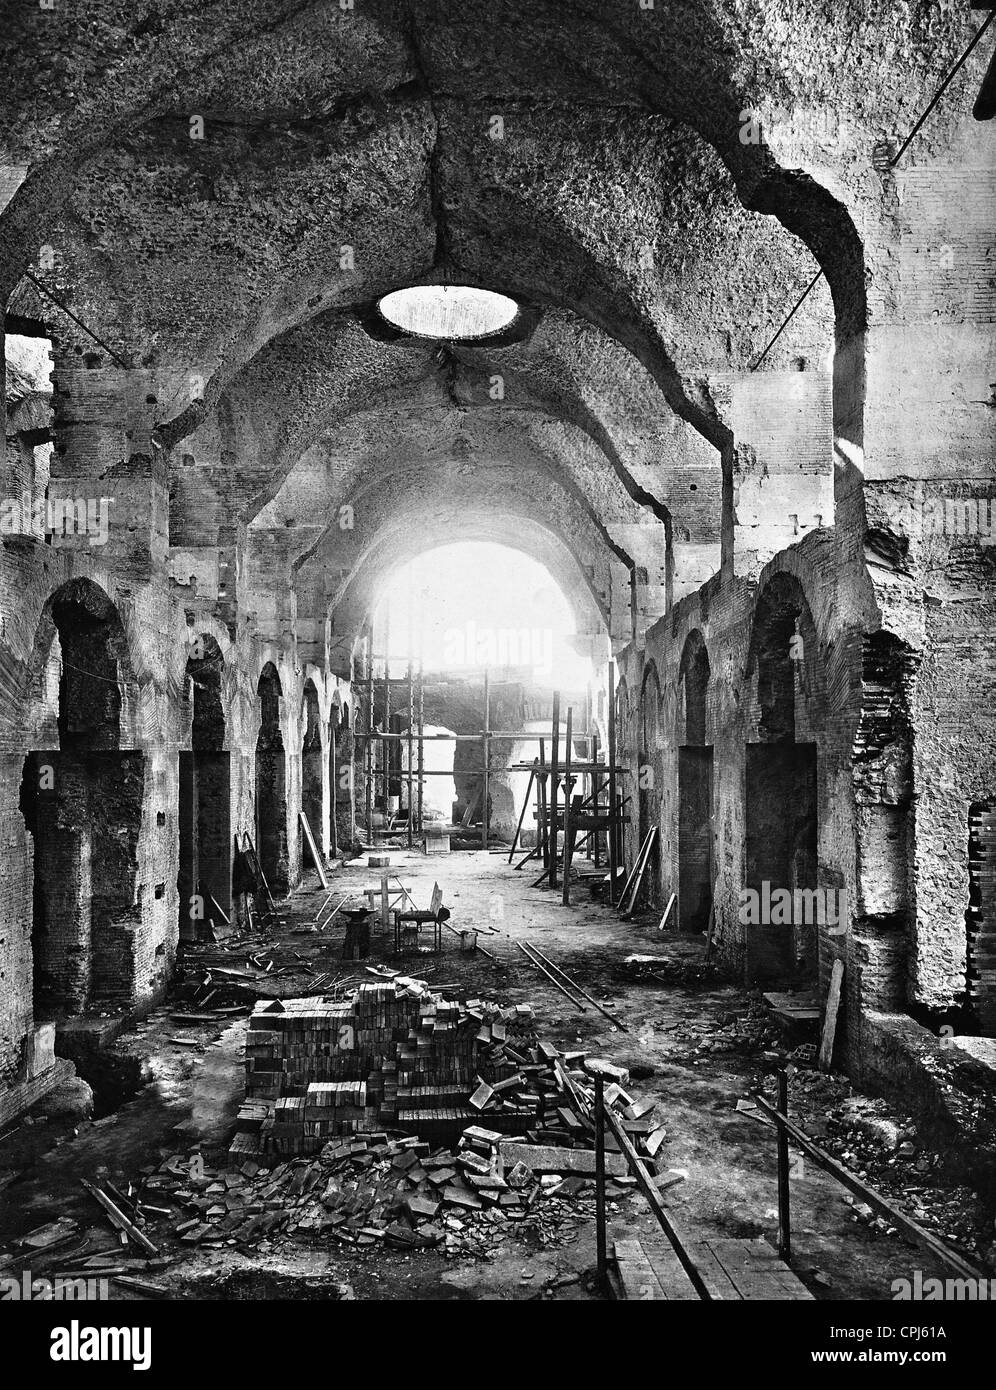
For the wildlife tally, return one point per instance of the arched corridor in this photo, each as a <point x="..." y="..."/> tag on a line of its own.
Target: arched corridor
<point x="512" y="484"/>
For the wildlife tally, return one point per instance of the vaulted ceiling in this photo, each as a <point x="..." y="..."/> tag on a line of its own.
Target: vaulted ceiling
<point x="588" y="159"/>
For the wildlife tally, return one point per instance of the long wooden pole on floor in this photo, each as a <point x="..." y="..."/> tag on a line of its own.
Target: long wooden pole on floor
<point x="613" y="809"/>
<point x="554" y="776"/>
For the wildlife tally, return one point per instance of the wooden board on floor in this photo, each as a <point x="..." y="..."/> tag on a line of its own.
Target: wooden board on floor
<point x="732" y="1270"/>
<point x="656" y="1276"/>
<point x="754" y="1268"/>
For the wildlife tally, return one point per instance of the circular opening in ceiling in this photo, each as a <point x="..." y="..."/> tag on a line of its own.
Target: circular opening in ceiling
<point x="448" y="311"/>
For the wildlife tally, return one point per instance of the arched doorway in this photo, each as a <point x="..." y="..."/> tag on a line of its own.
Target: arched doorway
<point x="82" y="803"/>
<point x="781" y="904"/>
<point x="695" y="772"/>
<point x="650" y="776"/>
<point x="341" y="778"/>
<point x="204" y="879"/>
<point x="312" y="798"/>
<point x="271" y="785"/>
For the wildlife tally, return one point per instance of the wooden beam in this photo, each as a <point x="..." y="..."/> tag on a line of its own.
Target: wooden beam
<point x="830" y="1018"/>
<point x="119" y="1219"/>
<point x="568" y="784"/>
<point x="649" y="1189"/>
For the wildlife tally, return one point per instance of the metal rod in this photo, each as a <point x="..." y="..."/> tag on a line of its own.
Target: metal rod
<point x="556" y="983"/>
<point x="788" y="318"/>
<point x="784" y="1210"/>
<point x="600" y="1232"/>
<point x="903" y="1223"/>
<point x="577" y="988"/>
<point x="128" y="366"/>
<point x="941" y="90"/>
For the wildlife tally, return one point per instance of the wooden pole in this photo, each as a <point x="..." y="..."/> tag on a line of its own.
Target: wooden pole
<point x="651" y="1192"/>
<point x="368" y="755"/>
<point x="411" y="717"/>
<point x="600" y="1232"/>
<point x="568" y="785"/>
<point x="784" y="1212"/>
<point x="613" y="808"/>
<point x="554" y="777"/>
<point x="541" y="804"/>
<point x="522" y="815"/>
<point x="596" y="793"/>
<point x="421" y="742"/>
<point x="385" y="746"/>
<point x="486" y="748"/>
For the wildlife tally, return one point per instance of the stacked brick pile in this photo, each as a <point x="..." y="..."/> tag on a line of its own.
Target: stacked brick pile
<point x="394" y="1054"/>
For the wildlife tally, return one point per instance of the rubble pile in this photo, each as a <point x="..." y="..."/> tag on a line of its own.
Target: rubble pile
<point x="381" y="1188"/>
<point x="392" y="1054"/>
<point x="394" y="1117"/>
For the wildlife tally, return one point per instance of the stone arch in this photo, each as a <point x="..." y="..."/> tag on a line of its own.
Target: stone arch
<point x="82" y="804"/>
<point x="312" y="758"/>
<point x="785" y="904"/>
<point x="271" y="784"/>
<point x="695" y="788"/>
<point x="693" y="676"/>
<point x="650" y="781"/>
<point x="204" y="876"/>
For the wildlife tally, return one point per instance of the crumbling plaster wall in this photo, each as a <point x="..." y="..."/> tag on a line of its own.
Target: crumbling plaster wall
<point x="724" y="613"/>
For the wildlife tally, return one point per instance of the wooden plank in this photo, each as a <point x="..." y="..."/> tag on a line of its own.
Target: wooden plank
<point x="645" y="1182"/>
<point x="714" y="1276"/>
<point x="667" y="912"/>
<point x="756" y="1270"/>
<point x="313" y="851"/>
<point x="652" y="1272"/>
<point x="830" y="1021"/>
<point x="651" y="837"/>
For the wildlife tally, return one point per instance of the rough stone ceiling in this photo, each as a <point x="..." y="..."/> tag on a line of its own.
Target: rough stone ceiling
<point x="658" y="249"/>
